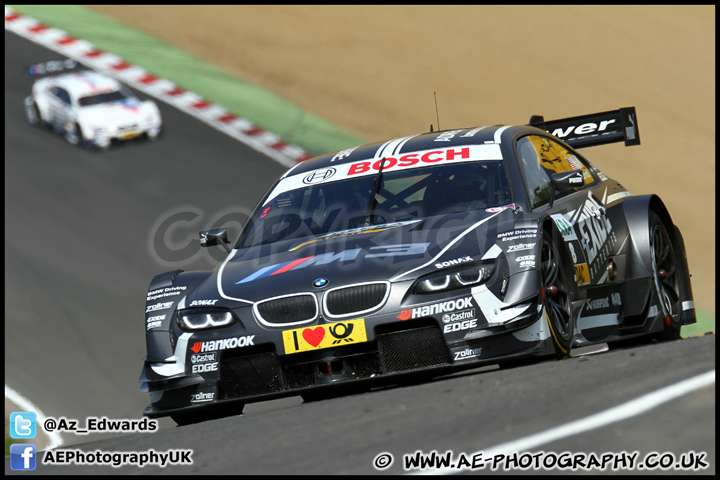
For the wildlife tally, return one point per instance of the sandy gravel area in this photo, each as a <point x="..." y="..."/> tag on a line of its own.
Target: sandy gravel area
<point x="374" y="70"/>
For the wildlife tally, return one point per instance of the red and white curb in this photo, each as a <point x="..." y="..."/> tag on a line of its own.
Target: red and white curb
<point x="137" y="77"/>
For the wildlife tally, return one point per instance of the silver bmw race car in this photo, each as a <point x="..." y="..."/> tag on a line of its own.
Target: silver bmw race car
<point x="417" y="257"/>
<point x="87" y="107"/>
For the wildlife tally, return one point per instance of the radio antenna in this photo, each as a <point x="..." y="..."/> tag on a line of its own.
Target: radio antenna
<point x="437" y="115"/>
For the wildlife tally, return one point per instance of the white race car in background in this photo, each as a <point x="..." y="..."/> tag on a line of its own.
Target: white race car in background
<point x="87" y="107"/>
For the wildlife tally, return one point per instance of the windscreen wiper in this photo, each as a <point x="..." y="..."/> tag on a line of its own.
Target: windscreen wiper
<point x="373" y="195"/>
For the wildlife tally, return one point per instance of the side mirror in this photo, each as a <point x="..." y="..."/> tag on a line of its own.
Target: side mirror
<point x="564" y="181"/>
<point x="214" y="236"/>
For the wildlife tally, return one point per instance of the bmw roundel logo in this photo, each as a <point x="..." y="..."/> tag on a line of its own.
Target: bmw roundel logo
<point x="320" y="282"/>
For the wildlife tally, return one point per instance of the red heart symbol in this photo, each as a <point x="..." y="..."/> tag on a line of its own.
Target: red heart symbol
<point x="314" y="336"/>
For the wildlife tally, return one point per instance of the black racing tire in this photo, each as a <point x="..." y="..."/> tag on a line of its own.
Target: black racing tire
<point x="555" y="283"/>
<point x="154" y="137"/>
<point x="104" y="147"/>
<point x="665" y="278"/>
<point x="74" y="136"/>
<point x="32" y="114"/>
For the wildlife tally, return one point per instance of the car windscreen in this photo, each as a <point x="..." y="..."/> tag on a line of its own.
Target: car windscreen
<point x="107" y="97"/>
<point x="403" y="195"/>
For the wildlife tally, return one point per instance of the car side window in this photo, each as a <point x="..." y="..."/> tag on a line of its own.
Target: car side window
<point x="61" y="94"/>
<point x="65" y="96"/>
<point x="539" y="158"/>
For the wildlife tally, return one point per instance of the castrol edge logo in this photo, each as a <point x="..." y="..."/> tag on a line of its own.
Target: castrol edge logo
<point x="417" y="159"/>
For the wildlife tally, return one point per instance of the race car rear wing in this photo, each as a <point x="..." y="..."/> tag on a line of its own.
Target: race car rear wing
<point x="53" y="67"/>
<point x="594" y="129"/>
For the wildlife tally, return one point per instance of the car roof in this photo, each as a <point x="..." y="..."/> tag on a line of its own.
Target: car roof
<point x="80" y="84"/>
<point x="494" y="134"/>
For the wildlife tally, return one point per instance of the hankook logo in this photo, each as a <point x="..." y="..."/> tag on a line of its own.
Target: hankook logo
<point x="227" y="343"/>
<point x="428" y="310"/>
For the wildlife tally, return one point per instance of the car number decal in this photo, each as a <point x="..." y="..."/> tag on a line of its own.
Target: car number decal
<point x="324" y="336"/>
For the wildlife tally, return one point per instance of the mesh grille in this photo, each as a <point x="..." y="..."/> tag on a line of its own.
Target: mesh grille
<point x="413" y="349"/>
<point x="298" y="376"/>
<point x="366" y="365"/>
<point x="250" y="375"/>
<point x="357" y="298"/>
<point x="286" y="310"/>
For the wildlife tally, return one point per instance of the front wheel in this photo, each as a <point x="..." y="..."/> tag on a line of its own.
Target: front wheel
<point x="556" y="297"/>
<point x="73" y="134"/>
<point x="153" y="134"/>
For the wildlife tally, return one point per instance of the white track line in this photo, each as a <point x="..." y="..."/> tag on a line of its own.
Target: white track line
<point x="624" y="411"/>
<point x="27" y="406"/>
<point x="191" y="103"/>
<point x="137" y="77"/>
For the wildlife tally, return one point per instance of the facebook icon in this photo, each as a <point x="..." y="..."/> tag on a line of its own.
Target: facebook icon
<point x="23" y="456"/>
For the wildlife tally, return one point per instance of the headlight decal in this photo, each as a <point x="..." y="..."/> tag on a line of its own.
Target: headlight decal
<point x="434" y="284"/>
<point x="200" y="319"/>
<point x="469" y="276"/>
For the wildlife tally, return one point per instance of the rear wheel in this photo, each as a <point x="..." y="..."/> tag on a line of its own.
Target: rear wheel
<point x="73" y="135"/>
<point x="556" y="296"/>
<point x="664" y="266"/>
<point x="32" y="113"/>
<point x="665" y="284"/>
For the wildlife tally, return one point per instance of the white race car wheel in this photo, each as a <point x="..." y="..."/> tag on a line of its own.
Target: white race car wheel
<point x="73" y="134"/>
<point x="32" y="112"/>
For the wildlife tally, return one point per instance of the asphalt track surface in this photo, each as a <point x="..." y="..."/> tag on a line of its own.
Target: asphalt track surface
<point x="78" y="259"/>
<point x="78" y="256"/>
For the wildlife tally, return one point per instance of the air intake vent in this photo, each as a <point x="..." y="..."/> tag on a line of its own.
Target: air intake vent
<point x="287" y="310"/>
<point x="427" y="349"/>
<point x="250" y="375"/>
<point x="355" y="300"/>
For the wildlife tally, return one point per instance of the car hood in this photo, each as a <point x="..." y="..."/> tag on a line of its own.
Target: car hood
<point x="396" y="252"/>
<point x="117" y="112"/>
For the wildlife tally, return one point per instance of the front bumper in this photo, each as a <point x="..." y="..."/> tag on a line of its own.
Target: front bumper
<point x="105" y="136"/>
<point x="400" y="351"/>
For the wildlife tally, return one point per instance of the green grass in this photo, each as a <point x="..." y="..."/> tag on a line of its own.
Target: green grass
<point x="705" y="323"/>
